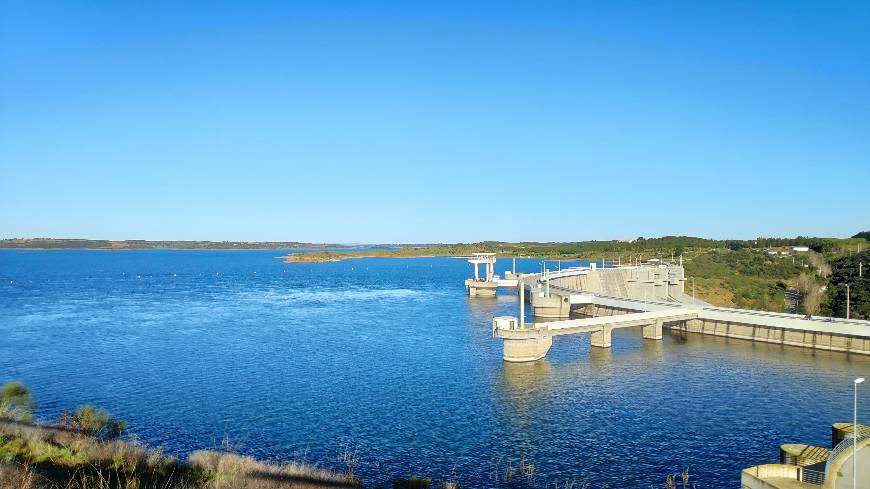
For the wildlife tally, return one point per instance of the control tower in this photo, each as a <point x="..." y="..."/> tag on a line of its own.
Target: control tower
<point x="487" y="285"/>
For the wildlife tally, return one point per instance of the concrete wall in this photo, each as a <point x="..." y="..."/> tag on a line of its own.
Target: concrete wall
<point x="555" y="306"/>
<point x="654" y="283"/>
<point x="769" y="476"/>
<point x="781" y="336"/>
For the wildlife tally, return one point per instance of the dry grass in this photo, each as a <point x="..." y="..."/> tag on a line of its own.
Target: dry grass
<point x="39" y="457"/>
<point x="17" y="476"/>
<point x="240" y="472"/>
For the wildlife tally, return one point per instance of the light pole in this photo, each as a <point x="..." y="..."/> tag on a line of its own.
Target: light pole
<point x="693" y="290"/>
<point x="847" y="301"/>
<point x="855" y="433"/>
<point x="522" y="304"/>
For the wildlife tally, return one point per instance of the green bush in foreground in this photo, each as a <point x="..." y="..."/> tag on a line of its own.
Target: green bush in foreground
<point x="15" y="402"/>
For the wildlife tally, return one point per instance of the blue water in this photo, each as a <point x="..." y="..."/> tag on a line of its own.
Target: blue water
<point x="390" y="359"/>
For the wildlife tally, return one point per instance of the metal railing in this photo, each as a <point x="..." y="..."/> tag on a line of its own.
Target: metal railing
<point x="844" y="445"/>
<point x="812" y="476"/>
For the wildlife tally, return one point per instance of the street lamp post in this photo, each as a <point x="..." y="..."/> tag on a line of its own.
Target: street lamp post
<point x="855" y="434"/>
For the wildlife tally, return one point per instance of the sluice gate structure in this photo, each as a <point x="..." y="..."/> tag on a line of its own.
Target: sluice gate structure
<point x="652" y="297"/>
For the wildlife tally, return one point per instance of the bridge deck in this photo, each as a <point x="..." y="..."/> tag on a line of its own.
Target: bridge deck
<point x="571" y="326"/>
<point x="798" y="322"/>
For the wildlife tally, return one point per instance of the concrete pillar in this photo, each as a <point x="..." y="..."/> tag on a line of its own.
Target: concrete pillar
<point x="522" y="304"/>
<point x="653" y="331"/>
<point x="551" y="307"/>
<point x="601" y="339"/>
<point x="476" y="276"/>
<point x="547" y="275"/>
<point x="527" y="350"/>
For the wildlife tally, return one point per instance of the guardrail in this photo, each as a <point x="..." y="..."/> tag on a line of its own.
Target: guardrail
<point x="844" y="445"/>
<point x="786" y="315"/>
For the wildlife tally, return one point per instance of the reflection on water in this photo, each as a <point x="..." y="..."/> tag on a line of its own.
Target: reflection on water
<point x="391" y="358"/>
<point x="520" y="380"/>
<point x="601" y="359"/>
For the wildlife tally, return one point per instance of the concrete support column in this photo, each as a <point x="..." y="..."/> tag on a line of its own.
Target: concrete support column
<point x="601" y="339"/>
<point x="551" y="307"/>
<point x="653" y="331"/>
<point x="527" y="350"/>
<point x="476" y="276"/>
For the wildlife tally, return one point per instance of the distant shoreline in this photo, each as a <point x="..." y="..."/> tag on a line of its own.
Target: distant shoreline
<point x="304" y="250"/>
<point x="46" y="244"/>
<point x="306" y="257"/>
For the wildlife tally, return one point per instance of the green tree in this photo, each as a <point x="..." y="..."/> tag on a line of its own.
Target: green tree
<point x="849" y="270"/>
<point x="15" y="402"/>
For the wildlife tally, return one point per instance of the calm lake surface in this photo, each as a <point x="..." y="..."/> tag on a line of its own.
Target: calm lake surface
<point x="391" y="359"/>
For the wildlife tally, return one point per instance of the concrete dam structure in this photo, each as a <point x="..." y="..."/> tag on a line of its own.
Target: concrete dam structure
<point x="652" y="297"/>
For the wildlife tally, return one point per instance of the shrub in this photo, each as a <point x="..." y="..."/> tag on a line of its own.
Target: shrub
<point x="15" y="402"/>
<point x="413" y="483"/>
<point x="94" y="421"/>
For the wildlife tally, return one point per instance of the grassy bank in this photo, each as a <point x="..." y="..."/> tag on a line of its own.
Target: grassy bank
<point x="746" y="278"/>
<point x="45" y="457"/>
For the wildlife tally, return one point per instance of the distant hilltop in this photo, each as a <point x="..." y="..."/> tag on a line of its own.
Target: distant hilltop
<point x="546" y="249"/>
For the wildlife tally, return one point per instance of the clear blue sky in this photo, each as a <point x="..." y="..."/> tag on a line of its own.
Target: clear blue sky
<point x="433" y="121"/>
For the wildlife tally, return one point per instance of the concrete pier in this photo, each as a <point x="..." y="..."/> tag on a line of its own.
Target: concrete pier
<point x="653" y="331"/>
<point x="601" y="338"/>
<point x="487" y="285"/>
<point x="550" y="307"/>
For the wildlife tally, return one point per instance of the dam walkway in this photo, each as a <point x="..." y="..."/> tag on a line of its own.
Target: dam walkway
<point x="555" y="296"/>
